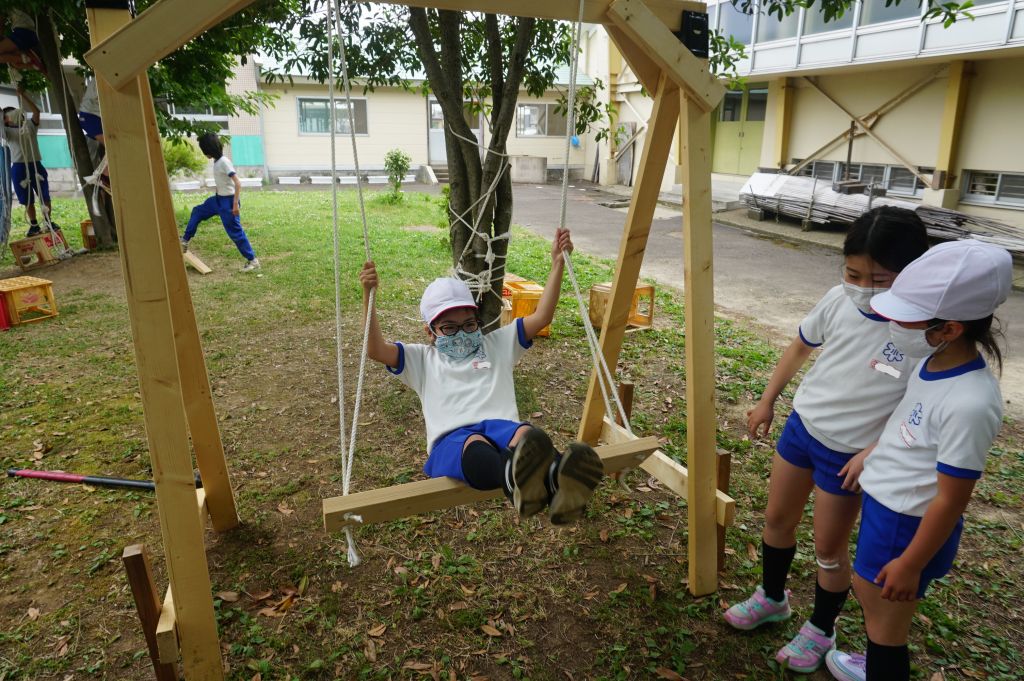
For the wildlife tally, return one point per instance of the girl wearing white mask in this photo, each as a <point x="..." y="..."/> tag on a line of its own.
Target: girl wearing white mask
<point x="919" y="477"/>
<point x="839" y="409"/>
<point x="464" y="381"/>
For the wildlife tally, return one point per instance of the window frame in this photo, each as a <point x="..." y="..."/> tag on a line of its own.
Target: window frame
<point x="985" y="200"/>
<point x="551" y="106"/>
<point x="327" y="101"/>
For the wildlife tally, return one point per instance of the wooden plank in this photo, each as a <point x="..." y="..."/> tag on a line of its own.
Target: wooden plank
<point x="952" y="120"/>
<point x="140" y="579"/>
<point x="661" y="127"/>
<point x="672" y="474"/>
<point x="193" y="261"/>
<point x="643" y="67"/>
<point x="649" y="32"/>
<point x="160" y="30"/>
<point x="594" y="11"/>
<point x="435" y="494"/>
<point x="722" y="477"/>
<point x="129" y="140"/>
<point x="201" y="502"/>
<point x="701" y="422"/>
<point x="166" y="633"/>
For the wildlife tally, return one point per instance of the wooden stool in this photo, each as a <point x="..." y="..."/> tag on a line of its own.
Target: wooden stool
<point x="27" y="295"/>
<point x="519" y="298"/>
<point x="641" y="310"/>
<point x="36" y="251"/>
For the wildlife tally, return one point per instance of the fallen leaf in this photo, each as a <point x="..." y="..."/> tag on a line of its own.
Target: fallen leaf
<point x="370" y="649"/>
<point x="458" y="605"/>
<point x="619" y="589"/>
<point x="61" y="646"/>
<point x="417" y="666"/>
<point x="590" y="595"/>
<point x="303" y="584"/>
<point x="752" y="552"/>
<point x="725" y="586"/>
<point x="283" y="508"/>
<point x="378" y="630"/>
<point x="262" y="596"/>
<point x="227" y="596"/>
<point x="33" y="613"/>
<point x="257" y="677"/>
<point x="466" y="590"/>
<point x="269" y="612"/>
<point x="667" y="674"/>
<point x="336" y="587"/>
<point x="489" y="630"/>
<point x="536" y="415"/>
<point x="938" y="676"/>
<point x="604" y="535"/>
<point x="436" y="560"/>
<point x="628" y="513"/>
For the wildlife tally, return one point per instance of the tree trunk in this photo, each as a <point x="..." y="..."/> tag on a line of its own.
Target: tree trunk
<point x="478" y="214"/>
<point x="102" y="222"/>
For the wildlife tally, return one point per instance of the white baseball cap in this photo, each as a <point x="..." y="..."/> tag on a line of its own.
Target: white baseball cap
<point x="957" y="281"/>
<point x="446" y="293"/>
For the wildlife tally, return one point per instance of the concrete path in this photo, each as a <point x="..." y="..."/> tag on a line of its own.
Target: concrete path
<point x="771" y="277"/>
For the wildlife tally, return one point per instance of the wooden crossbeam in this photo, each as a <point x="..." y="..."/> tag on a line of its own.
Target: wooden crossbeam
<point x="642" y="26"/>
<point x="163" y="28"/>
<point x="435" y="494"/>
<point x="670" y="473"/>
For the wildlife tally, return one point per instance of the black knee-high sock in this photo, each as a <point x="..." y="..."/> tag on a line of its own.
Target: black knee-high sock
<point x="486" y="467"/>
<point x="775" y="564"/>
<point x="827" y="606"/>
<point x="888" y="663"/>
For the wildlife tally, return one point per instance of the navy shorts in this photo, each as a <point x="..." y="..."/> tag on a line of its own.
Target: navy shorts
<point x="446" y="455"/>
<point x="886" y="534"/>
<point x="24" y="39"/>
<point x="91" y="124"/>
<point x="799" y="448"/>
<point x="25" y="176"/>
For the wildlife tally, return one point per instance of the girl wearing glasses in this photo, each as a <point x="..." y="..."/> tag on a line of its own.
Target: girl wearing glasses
<point x="464" y="381"/>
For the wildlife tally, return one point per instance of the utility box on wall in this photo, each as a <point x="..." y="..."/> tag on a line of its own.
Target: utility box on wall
<point x="529" y="169"/>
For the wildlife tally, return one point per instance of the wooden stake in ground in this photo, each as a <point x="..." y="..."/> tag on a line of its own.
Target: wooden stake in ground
<point x="140" y="579"/>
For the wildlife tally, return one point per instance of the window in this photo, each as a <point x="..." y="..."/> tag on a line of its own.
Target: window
<point x="814" y="20"/>
<point x="736" y="22"/>
<point x="876" y="12"/>
<point x="1002" y="189"/>
<point x="899" y="180"/>
<point x="315" y="116"/>
<point x="540" y="120"/>
<point x="712" y="16"/>
<point x="732" y="105"/>
<point x="770" y="28"/>
<point x="865" y="172"/>
<point x="823" y="170"/>
<point x="757" y="103"/>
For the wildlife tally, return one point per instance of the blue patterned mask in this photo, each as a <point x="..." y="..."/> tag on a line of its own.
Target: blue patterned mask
<point x="461" y="345"/>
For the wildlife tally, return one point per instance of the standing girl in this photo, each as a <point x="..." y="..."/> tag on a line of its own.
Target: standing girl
<point x="839" y="409"/>
<point x="225" y="203"/>
<point x="919" y="477"/>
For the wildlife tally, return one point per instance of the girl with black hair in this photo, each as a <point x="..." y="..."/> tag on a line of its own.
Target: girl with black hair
<point x="225" y="203"/>
<point x="839" y="409"/>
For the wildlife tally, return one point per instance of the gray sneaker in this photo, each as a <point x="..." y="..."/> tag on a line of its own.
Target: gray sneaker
<point x="575" y="479"/>
<point x="184" y="245"/>
<point x="252" y="265"/>
<point x="531" y="460"/>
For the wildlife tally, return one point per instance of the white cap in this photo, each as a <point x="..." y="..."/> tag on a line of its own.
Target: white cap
<point x="956" y="281"/>
<point x="442" y="295"/>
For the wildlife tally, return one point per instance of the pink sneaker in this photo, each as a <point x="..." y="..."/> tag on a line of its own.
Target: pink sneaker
<point x="757" y="610"/>
<point x="807" y="650"/>
<point x="847" y="666"/>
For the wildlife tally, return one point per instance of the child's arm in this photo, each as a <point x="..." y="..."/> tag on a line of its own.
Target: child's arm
<point x="31" y="105"/>
<point x="377" y="348"/>
<point x="545" y="312"/>
<point x="761" y="416"/>
<point x="238" y="191"/>
<point x="901" y="576"/>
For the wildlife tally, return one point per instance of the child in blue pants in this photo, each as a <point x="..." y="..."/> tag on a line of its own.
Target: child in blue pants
<point x="225" y="203"/>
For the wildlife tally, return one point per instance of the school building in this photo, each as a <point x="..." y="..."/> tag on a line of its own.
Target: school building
<point x="943" y="105"/>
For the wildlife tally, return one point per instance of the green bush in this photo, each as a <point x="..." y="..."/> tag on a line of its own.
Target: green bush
<point x="182" y="157"/>
<point x="396" y="163"/>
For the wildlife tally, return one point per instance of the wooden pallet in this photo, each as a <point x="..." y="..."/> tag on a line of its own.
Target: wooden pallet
<point x="27" y="299"/>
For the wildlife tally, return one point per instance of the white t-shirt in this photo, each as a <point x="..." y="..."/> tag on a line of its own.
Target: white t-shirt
<point x="456" y="394"/>
<point x="856" y="381"/>
<point x="90" y="100"/>
<point x="20" y="19"/>
<point x="945" y="423"/>
<point x="23" y="142"/>
<point x="223" y="169"/>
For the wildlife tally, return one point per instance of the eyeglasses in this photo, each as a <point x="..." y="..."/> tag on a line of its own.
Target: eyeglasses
<point x="451" y="328"/>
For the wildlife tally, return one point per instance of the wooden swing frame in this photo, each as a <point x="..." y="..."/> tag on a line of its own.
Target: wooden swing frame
<point x="174" y="384"/>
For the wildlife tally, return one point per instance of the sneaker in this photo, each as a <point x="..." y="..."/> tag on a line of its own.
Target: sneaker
<point x="757" y="610"/>
<point x="34" y="230"/>
<point x="252" y="265"/>
<point x="807" y="650"/>
<point x="530" y="463"/>
<point x="575" y="477"/>
<point x="847" y="666"/>
<point x="184" y="246"/>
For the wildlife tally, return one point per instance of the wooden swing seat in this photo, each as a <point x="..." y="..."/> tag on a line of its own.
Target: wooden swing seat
<point x="435" y="494"/>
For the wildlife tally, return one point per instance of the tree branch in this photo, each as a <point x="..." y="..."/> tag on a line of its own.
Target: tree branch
<point x="495" y="63"/>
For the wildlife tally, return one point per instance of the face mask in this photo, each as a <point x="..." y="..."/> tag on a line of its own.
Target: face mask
<point x="860" y="296"/>
<point x="913" y="342"/>
<point x="460" y="346"/>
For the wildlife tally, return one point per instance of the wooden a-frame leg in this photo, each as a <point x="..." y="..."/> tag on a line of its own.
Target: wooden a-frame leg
<point x="137" y="182"/>
<point x="140" y="579"/>
<point x="701" y="423"/>
<point x="660" y="128"/>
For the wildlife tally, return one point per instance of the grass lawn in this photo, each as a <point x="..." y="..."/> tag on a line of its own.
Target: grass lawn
<point x="463" y="594"/>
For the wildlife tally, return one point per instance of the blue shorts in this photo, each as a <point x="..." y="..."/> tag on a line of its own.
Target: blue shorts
<point x="24" y="176"/>
<point x="91" y="124"/>
<point x="446" y="455"/>
<point x="24" y="39"/>
<point x="885" y="535"/>
<point x="799" y="448"/>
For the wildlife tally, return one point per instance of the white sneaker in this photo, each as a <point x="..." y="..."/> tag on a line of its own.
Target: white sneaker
<point x="252" y="265"/>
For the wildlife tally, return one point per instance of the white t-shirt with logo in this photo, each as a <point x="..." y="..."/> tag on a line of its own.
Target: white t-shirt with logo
<point x="453" y="393"/>
<point x="856" y="381"/>
<point x="23" y="142"/>
<point x="223" y="169"/>
<point x="945" y="423"/>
